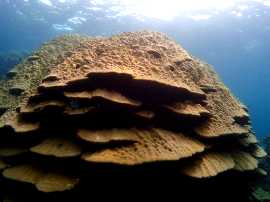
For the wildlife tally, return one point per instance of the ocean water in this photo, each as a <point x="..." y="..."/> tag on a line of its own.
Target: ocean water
<point x="63" y="146"/>
<point x="233" y="36"/>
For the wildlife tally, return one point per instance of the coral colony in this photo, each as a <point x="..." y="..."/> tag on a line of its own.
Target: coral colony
<point x="80" y="106"/>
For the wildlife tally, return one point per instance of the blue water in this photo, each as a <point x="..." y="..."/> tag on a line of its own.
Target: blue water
<point x="235" y="40"/>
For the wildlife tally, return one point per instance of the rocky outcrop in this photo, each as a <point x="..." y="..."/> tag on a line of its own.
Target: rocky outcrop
<point x="132" y="101"/>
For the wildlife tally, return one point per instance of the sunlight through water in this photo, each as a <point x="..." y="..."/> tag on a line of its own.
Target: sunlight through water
<point x="168" y="9"/>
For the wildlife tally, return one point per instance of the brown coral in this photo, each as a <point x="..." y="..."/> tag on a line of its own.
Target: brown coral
<point x="133" y="99"/>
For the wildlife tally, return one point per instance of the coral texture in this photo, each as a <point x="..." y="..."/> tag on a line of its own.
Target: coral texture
<point x="129" y="100"/>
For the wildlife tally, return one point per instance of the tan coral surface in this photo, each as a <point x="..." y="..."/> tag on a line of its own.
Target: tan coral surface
<point x="129" y="100"/>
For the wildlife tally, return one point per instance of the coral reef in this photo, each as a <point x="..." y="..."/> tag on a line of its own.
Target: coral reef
<point x="261" y="190"/>
<point x="124" y="107"/>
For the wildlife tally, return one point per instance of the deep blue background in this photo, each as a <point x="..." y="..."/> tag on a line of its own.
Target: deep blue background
<point x="238" y="47"/>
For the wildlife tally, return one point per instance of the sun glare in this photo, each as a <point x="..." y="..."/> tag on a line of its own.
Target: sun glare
<point x="165" y="9"/>
<point x="168" y="9"/>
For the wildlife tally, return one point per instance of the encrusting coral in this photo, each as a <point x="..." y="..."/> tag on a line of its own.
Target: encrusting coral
<point x="130" y="101"/>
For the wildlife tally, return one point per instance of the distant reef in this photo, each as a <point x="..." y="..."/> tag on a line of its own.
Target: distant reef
<point x="262" y="189"/>
<point x="10" y="59"/>
<point x="129" y="116"/>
